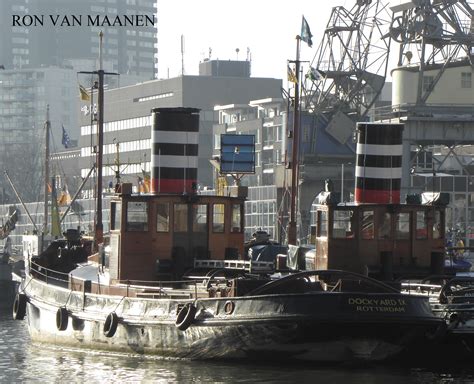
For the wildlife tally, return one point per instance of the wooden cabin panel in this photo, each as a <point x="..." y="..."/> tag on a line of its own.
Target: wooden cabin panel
<point x="161" y="246"/>
<point x="344" y="255"/>
<point x="321" y="254"/>
<point x="236" y="241"/>
<point x="369" y="252"/>
<point x="217" y="245"/>
<point x="137" y="260"/>
<point x="402" y="253"/>
<point x="137" y="266"/>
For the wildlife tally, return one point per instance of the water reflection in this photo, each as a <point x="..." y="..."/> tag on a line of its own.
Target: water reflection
<point x="23" y="361"/>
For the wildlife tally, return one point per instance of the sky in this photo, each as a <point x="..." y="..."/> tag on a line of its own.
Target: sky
<point x="268" y="28"/>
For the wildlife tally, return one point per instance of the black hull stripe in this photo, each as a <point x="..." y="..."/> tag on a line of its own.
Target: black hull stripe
<point x="379" y="161"/>
<point x="380" y="133"/>
<point x="175" y="149"/>
<point x="173" y="173"/>
<point x="378" y="184"/>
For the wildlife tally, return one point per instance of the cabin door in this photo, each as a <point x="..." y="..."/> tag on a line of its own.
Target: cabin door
<point x="190" y="239"/>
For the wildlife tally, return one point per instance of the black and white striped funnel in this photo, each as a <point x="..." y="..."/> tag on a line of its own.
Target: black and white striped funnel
<point x="379" y="163"/>
<point x="174" y="154"/>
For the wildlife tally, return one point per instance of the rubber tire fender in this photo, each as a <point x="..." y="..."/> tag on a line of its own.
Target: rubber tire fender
<point x="186" y="316"/>
<point x="62" y="318"/>
<point x="19" y="306"/>
<point x="110" y="325"/>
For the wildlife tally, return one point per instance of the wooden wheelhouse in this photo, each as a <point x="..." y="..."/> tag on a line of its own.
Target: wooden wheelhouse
<point x="159" y="236"/>
<point x="383" y="240"/>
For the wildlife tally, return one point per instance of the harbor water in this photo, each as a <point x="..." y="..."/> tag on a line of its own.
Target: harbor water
<point x="25" y="362"/>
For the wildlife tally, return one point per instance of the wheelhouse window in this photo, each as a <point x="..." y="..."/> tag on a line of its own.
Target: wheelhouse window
<point x="438" y="231"/>
<point x="367" y="225"/>
<point x="162" y="217"/>
<point x="200" y="218"/>
<point x="421" y="225"/>
<point x="237" y="225"/>
<point x="342" y="224"/>
<point x="402" y="225"/>
<point x="115" y="215"/>
<point x="218" y="214"/>
<point x="322" y="230"/>
<point x="180" y="217"/>
<point x="137" y="216"/>
<point x="385" y="225"/>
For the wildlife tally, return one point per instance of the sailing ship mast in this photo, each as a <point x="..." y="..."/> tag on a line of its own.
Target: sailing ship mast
<point x="47" y="128"/>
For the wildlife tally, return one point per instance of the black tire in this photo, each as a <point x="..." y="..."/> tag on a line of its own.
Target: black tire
<point x="186" y="317"/>
<point x="62" y="319"/>
<point x="110" y="325"/>
<point x="19" y="306"/>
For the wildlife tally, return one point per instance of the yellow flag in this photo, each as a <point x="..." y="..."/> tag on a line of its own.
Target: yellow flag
<point x="291" y="76"/>
<point x="84" y="94"/>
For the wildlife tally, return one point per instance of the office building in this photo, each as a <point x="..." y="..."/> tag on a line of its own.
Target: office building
<point x="128" y="49"/>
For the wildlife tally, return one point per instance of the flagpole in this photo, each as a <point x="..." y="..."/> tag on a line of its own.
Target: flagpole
<point x="292" y="228"/>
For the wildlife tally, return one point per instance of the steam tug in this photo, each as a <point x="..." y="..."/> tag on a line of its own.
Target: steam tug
<point x="376" y="235"/>
<point x="176" y="282"/>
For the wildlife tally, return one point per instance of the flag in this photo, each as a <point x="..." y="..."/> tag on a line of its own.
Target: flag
<point x="84" y="94"/>
<point x="291" y="75"/>
<point x="144" y="182"/>
<point x="65" y="198"/>
<point x="306" y="33"/>
<point x="313" y="74"/>
<point x="66" y="141"/>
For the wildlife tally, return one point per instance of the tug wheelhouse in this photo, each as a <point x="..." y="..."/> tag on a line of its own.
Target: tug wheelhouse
<point x="153" y="234"/>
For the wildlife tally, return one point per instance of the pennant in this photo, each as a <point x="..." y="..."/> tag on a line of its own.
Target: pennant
<point x="66" y="140"/>
<point x="291" y="76"/>
<point x="306" y="33"/>
<point x="83" y="93"/>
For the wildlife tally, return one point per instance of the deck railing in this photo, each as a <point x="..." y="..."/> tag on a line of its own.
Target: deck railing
<point x="50" y="276"/>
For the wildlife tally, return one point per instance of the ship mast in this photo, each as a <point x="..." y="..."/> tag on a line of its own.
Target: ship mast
<point x="100" y="73"/>
<point x="47" y="128"/>
<point x="292" y="228"/>
<point x="99" y="227"/>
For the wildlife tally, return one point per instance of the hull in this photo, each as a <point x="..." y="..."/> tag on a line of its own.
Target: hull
<point x="7" y="286"/>
<point x="324" y="327"/>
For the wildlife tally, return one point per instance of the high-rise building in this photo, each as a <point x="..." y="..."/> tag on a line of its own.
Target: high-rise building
<point x="25" y="95"/>
<point x="29" y="38"/>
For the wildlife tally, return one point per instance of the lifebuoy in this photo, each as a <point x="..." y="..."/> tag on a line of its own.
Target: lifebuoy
<point x="186" y="317"/>
<point x="19" y="306"/>
<point x="62" y="319"/>
<point x="229" y="307"/>
<point x="110" y="325"/>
